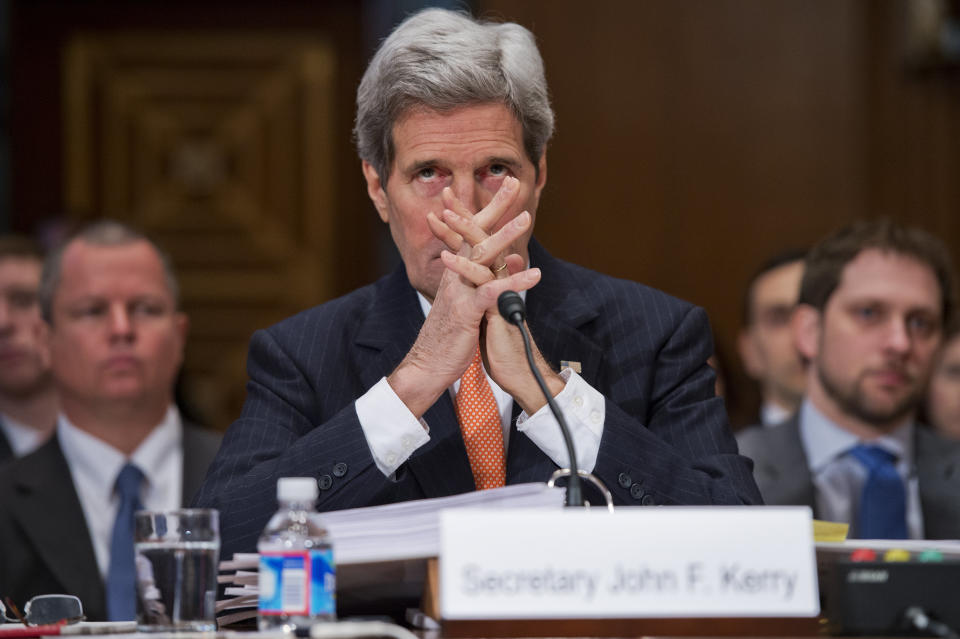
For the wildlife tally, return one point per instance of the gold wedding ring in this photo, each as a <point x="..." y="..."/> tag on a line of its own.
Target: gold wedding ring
<point x="499" y="268"/>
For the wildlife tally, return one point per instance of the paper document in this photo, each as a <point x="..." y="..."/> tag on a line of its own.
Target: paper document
<point x="380" y="549"/>
<point x="411" y="529"/>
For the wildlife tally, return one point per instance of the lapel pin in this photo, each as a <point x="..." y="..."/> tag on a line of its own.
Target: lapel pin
<point x="574" y="366"/>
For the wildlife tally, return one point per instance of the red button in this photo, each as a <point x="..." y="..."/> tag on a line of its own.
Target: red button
<point x="863" y="554"/>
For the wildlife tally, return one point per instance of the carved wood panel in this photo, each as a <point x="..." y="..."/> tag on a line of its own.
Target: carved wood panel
<point x="219" y="146"/>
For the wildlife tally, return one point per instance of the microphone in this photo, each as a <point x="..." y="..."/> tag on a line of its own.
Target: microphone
<point x="513" y="310"/>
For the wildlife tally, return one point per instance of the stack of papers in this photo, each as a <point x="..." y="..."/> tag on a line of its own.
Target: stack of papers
<point x="380" y="546"/>
<point x="241" y="592"/>
<point x="411" y="529"/>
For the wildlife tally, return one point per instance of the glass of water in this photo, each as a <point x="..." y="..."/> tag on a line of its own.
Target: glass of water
<point x="176" y="558"/>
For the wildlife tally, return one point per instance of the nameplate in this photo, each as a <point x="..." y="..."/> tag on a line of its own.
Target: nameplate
<point x="634" y="563"/>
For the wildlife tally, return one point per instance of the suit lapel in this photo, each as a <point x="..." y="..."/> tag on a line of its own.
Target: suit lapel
<point x="46" y="505"/>
<point x="389" y="329"/>
<point x="938" y="473"/>
<point x="441" y="466"/>
<point x="6" y="451"/>
<point x="556" y="314"/>
<point x="791" y="472"/>
<point x="199" y="449"/>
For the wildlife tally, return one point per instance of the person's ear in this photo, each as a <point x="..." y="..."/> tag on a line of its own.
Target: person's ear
<point x="42" y="335"/>
<point x="181" y="324"/>
<point x="541" y="178"/>
<point x="806" y="326"/>
<point x="375" y="190"/>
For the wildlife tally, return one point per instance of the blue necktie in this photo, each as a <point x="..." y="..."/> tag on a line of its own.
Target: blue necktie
<point x="883" y="503"/>
<point x="122" y="574"/>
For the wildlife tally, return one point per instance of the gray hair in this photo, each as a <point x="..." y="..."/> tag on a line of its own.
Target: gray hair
<point x="103" y="233"/>
<point x="442" y="60"/>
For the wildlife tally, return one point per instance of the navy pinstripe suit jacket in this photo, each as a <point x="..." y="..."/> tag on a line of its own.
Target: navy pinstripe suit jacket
<point x="665" y="439"/>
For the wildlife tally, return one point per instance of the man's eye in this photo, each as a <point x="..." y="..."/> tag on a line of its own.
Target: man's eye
<point x="867" y="313"/>
<point x="149" y="309"/>
<point x="22" y="300"/>
<point x="89" y="311"/>
<point x="776" y="316"/>
<point x="951" y="371"/>
<point x="497" y="170"/>
<point x="427" y="173"/>
<point x="921" y="325"/>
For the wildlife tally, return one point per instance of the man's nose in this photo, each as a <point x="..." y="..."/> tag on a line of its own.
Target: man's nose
<point x="465" y="189"/>
<point x="121" y="325"/>
<point x="898" y="338"/>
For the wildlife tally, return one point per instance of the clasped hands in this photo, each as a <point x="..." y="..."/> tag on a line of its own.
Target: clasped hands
<point x="480" y="265"/>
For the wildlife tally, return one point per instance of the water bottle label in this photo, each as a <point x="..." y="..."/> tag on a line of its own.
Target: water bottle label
<point x="297" y="583"/>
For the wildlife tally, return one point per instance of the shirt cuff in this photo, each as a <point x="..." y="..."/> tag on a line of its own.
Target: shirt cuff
<point x="584" y="408"/>
<point x="392" y="431"/>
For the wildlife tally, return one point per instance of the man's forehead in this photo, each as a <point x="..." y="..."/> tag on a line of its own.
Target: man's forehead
<point x="80" y="253"/>
<point x="20" y="267"/>
<point x="485" y="129"/>
<point x="130" y="265"/>
<point x="888" y="275"/>
<point x="779" y="286"/>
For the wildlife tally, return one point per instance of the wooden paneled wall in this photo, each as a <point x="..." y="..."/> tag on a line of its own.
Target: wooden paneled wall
<point x="694" y="138"/>
<point x="697" y="138"/>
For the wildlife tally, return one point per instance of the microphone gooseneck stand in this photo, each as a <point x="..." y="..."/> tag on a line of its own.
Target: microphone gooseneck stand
<point x="513" y="310"/>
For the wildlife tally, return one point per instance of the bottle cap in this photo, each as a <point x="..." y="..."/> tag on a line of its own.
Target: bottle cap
<point x="297" y="489"/>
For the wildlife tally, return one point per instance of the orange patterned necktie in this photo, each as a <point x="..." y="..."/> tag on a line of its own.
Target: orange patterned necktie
<point x="481" y="428"/>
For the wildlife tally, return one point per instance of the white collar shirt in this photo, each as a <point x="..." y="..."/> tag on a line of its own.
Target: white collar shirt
<point x="23" y="439"/>
<point x="94" y="465"/>
<point x="838" y="478"/>
<point x="772" y="414"/>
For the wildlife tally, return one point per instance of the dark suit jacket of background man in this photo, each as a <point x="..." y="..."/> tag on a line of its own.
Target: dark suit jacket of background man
<point x="782" y="471"/>
<point x="45" y="545"/>
<point x="665" y="440"/>
<point x="6" y="451"/>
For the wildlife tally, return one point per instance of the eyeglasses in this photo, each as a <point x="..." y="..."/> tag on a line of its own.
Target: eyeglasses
<point x="45" y="609"/>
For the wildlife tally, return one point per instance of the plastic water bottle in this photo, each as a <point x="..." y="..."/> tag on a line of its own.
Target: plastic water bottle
<point x="297" y="578"/>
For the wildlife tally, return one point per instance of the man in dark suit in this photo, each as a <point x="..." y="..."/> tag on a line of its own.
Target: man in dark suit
<point x="873" y="303"/>
<point x="765" y="342"/>
<point x="116" y="339"/>
<point x="374" y="394"/>
<point x="28" y="399"/>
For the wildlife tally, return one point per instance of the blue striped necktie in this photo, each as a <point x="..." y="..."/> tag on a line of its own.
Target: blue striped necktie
<point x="122" y="574"/>
<point x="883" y="502"/>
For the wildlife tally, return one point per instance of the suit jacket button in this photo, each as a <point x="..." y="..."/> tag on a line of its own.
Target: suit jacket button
<point x="636" y="491"/>
<point x="624" y="480"/>
<point x="325" y="482"/>
<point x="648" y="500"/>
<point x="339" y="470"/>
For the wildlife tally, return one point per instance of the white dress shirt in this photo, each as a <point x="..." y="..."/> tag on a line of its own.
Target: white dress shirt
<point x="23" y="439"/>
<point x="838" y="478"/>
<point x="393" y="433"/>
<point x="772" y="414"/>
<point x="94" y="466"/>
